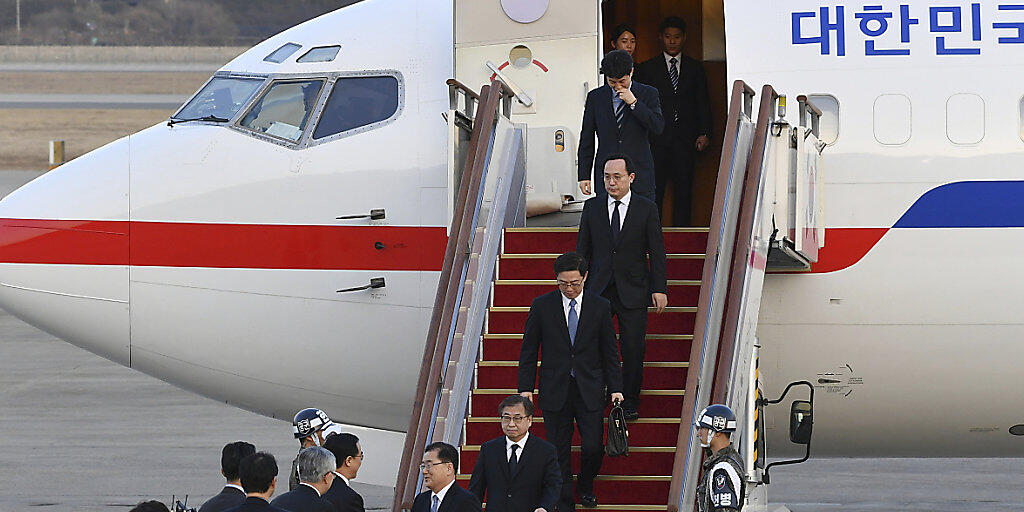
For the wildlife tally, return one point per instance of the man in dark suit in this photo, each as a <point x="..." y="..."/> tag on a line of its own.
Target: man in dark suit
<point x="683" y="90"/>
<point x="440" y="465"/>
<point x="574" y="335"/>
<point x="316" y="474"/>
<point x="258" y="473"/>
<point x="349" y="456"/>
<point x="619" y="232"/>
<point x="518" y="472"/>
<point x="232" y="495"/>
<point x="623" y="115"/>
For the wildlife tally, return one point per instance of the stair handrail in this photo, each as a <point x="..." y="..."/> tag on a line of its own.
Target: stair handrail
<point x="729" y="189"/>
<point x="435" y="354"/>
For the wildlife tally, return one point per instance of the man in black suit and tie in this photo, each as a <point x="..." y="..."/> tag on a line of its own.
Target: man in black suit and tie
<point x="518" y="472"/>
<point x="349" y="454"/>
<point x="232" y="495"/>
<point x="316" y="474"/>
<point x="573" y="333"/>
<point x="683" y="90"/>
<point x="440" y="465"/>
<point x="623" y="114"/>
<point x="258" y="473"/>
<point x="619" y="232"/>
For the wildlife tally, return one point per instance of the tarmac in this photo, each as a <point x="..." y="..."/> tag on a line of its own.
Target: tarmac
<point x="78" y="432"/>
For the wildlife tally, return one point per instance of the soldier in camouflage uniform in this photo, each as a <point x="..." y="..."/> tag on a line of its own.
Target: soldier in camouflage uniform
<point x="722" y="486"/>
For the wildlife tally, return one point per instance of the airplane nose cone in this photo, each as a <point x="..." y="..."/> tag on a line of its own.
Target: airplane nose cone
<point x="64" y="252"/>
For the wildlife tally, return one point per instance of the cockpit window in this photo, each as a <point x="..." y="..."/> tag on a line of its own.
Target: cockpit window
<point x="320" y="54"/>
<point x="358" y="101"/>
<point x="284" y="109"/>
<point x="222" y="97"/>
<point x="279" y="55"/>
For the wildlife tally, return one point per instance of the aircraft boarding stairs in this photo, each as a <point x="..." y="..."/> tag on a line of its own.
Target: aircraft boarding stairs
<point x="701" y="350"/>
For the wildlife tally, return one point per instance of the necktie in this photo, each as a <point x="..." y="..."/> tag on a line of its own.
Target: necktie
<point x="616" y="221"/>
<point x="673" y="74"/>
<point x="513" y="461"/>
<point x="574" y="321"/>
<point x="434" y="504"/>
<point x="620" y="113"/>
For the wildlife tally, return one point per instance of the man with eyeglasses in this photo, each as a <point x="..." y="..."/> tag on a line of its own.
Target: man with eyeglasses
<point x="517" y="472"/>
<point x="573" y="333"/>
<point x="349" y="456"/>
<point x="620" y="233"/>
<point x="440" y="465"/>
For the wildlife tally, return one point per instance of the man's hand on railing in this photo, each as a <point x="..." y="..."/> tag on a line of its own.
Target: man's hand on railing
<point x="585" y="187"/>
<point x="659" y="301"/>
<point x="527" y="394"/>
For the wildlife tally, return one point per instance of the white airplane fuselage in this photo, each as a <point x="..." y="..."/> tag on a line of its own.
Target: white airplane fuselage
<point x="210" y="256"/>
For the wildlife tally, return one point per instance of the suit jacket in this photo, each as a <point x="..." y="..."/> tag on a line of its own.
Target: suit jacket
<point x="252" y="504"/>
<point x="537" y="481"/>
<point x="624" y="260"/>
<point x="690" y="99"/>
<point x="229" y="497"/>
<point x="343" y="497"/>
<point x="637" y="126"/>
<point x="456" y="499"/>
<point x="594" y="357"/>
<point x="302" y="499"/>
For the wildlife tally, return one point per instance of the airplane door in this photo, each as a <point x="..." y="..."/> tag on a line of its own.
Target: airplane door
<point x="551" y="50"/>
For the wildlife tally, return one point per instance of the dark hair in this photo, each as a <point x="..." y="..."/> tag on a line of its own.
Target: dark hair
<point x="150" y="506"/>
<point x="514" y="400"/>
<point x="342" y="446"/>
<point x="570" y="261"/>
<point x="231" y="455"/>
<point x="616" y="64"/>
<point x="445" y="452"/>
<point x="620" y="29"/>
<point x="621" y="156"/>
<point x="672" y="22"/>
<point x="257" y="472"/>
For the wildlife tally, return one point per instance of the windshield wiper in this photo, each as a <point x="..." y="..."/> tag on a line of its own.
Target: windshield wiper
<point x="213" y="119"/>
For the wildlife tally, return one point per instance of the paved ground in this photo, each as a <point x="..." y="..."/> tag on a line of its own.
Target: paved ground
<point x="93" y="101"/>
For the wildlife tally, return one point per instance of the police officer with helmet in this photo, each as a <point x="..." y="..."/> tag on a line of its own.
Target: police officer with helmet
<point x="722" y="485"/>
<point x="308" y="426"/>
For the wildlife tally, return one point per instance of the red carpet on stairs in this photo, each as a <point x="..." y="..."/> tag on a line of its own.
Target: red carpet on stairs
<point x="641" y="480"/>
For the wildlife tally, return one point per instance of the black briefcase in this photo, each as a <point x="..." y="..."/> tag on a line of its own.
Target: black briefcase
<point x="617" y="442"/>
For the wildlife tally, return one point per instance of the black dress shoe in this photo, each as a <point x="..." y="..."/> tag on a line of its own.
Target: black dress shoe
<point x="588" y="500"/>
<point x="631" y="414"/>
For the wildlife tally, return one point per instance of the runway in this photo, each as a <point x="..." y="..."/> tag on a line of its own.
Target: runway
<point x="94" y="101"/>
<point x="80" y="433"/>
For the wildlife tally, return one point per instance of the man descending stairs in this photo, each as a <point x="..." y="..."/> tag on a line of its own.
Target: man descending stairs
<point x="639" y="481"/>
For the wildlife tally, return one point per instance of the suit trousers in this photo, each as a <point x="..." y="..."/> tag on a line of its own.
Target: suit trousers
<point x="558" y="425"/>
<point x="675" y="163"/>
<point x="632" y="345"/>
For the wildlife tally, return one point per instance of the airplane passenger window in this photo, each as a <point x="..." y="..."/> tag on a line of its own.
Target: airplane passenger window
<point x="828" y="124"/>
<point x="284" y="109"/>
<point x="358" y="101"/>
<point x="320" y="54"/>
<point x="222" y="97"/>
<point x="892" y="115"/>
<point x="279" y="55"/>
<point x="965" y="118"/>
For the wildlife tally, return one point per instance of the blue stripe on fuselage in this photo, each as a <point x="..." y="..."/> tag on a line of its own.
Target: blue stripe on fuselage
<point x="968" y="204"/>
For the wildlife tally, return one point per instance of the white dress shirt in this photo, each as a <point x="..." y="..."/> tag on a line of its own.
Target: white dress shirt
<point x="565" y="306"/>
<point x="341" y="476"/>
<point x="233" y="486"/>
<point x="440" y="495"/>
<point x="519" y="452"/>
<point x="311" y="487"/>
<point x="622" y="208"/>
<point x="679" y="62"/>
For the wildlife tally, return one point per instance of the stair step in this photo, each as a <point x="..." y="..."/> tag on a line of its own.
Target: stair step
<point x="627" y="490"/>
<point x="522" y="292"/>
<point x="541" y="266"/>
<point x="675" y="320"/>
<point x="643" y="432"/>
<point x="530" y="240"/>
<point x="637" y="463"/>
<point x="656" y="375"/>
<point x="505" y="347"/>
<point x="654" y="403"/>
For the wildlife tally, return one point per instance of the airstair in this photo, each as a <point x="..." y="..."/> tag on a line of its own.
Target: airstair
<point x="703" y="349"/>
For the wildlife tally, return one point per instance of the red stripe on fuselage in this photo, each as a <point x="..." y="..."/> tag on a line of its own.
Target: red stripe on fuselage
<point x="845" y="246"/>
<point x="264" y="246"/>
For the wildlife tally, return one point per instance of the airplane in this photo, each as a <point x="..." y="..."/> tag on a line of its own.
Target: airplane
<point x="256" y="250"/>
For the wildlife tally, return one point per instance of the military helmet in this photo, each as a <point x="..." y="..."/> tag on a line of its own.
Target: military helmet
<point x="310" y="421"/>
<point x="717" y="418"/>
